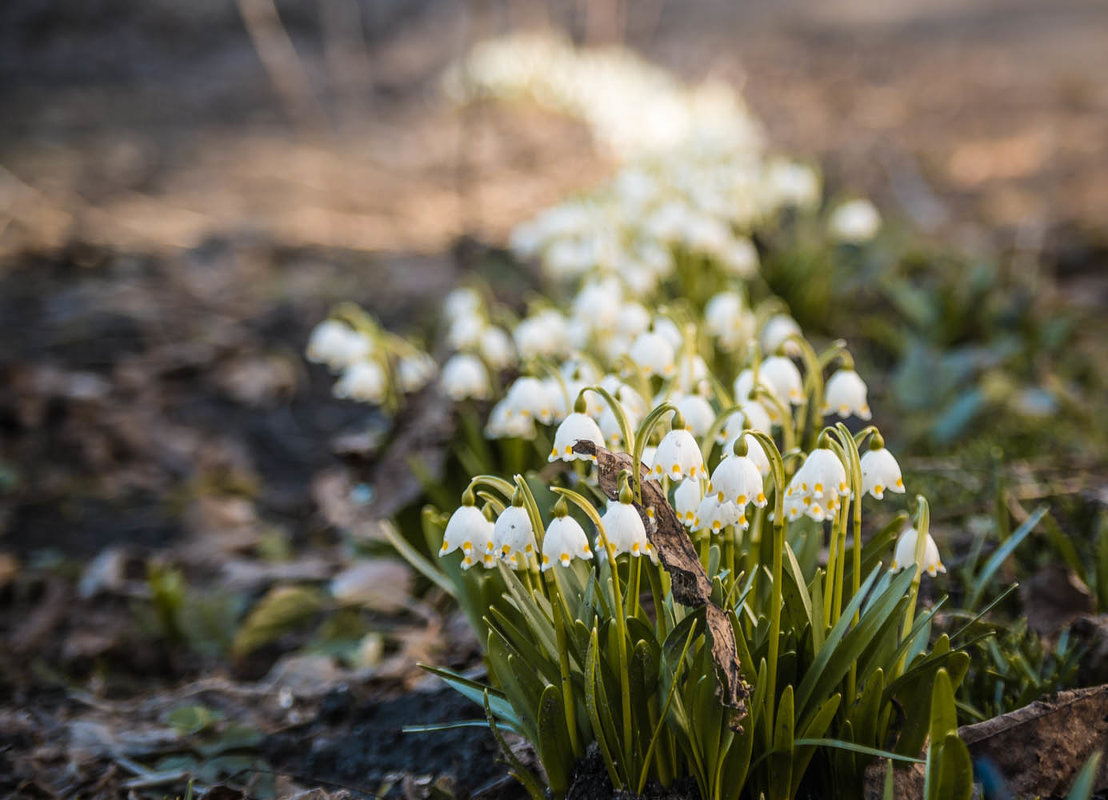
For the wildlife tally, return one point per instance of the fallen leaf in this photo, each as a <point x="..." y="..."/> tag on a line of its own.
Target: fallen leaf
<point x="383" y="584"/>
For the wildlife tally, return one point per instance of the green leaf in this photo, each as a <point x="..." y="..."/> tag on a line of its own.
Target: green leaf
<point x="603" y="727"/>
<point x="956" y="771"/>
<point x="981" y="582"/>
<point x="814" y="730"/>
<point x="553" y="745"/>
<point x="944" y="714"/>
<point x="281" y="610"/>
<point x="781" y="759"/>
<point x="515" y="766"/>
<point x="856" y="748"/>
<point x="476" y="692"/>
<point x="189" y="720"/>
<point x="1085" y="783"/>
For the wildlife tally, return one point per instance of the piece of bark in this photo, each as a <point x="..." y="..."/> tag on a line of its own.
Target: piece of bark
<point x="1040" y="748"/>
<point x="688" y="580"/>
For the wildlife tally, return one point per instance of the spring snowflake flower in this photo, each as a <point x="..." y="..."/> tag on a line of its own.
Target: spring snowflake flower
<point x="364" y="381"/>
<point x="531" y="397"/>
<point x="754" y="452"/>
<point x="751" y="415"/>
<point x="793" y="184"/>
<point x="543" y="334"/>
<point x="565" y="540"/>
<point x="668" y="329"/>
<point x="337" y="345"/>
<point x="461" y="302"/>
<point x="817" y="486"/>
<point x="697" y="412"/>
<point x="743" y="387"/>
<point x="678" y="454"/>
<point x="854" y="222"/>
<point x="905" y="553"/>
<point x="783" y="379"/>
<point x="686" y="500"/>
<point x="465" y="332"/>
<point x="506" y="423"/>
<point x="692" y="372"/>
<point x="845" y="394"/>
<point x="653" y="354"/>
<point x="573" y="428"/>
<point x="739" y="257"/>
<point x="880" y="471"/>
<point x="513" y="536"/>
<point x="714" y="516"/>
<point x="738" y="480"/>
<point x="727" y="319"/>
<point x="470" y="531"/>
<point x="633" y="319"/>
<point x="776" y="333"/>
<point x="495" y="346"/>
<point x="706" y="234"/>
<point x="598" y="304"/>
<point x="625" y="530"/>
<point x="464" y="376"/>
<point x="414" y="371"/>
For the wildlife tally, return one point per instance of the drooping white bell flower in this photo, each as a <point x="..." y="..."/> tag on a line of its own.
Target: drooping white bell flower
<point x="414" y="371"/>
<point x="543" y="334"/>
<point x="854" y="222"/>
<point x="469" y="530"/>
<point x="706" y="234"/>
<point x="648" y="454"/>
<point x="625" y="530"/>
<point x="667" y="328"/>
<point x="739" y="257"/>
<point x="575" y="427"/>
<point x="880" y="472"/>
<point x="845" y="394"/>
<point x="531" y="397"/>
<point x="461" y="302"/>
<point x="817" y="486"/>
<point x="729" y="321"/>
<point x="633" y="319"/>
<point x="565" y="540"/>
<point x="737" y="479"/>
<point x="465" y="331"/>
<point x="776" y="333"/>
<point x="598" y="304"/>
<point x="697" y="412"/>
<point x="743" y="386"/>
<point x="464" y="376"/>
<point x="513" y="536"/>
<point x="364" y="381"/>
<point x="337" y="345"/>
<point x="653" y="354"/>
<point x="783" y="378"/>
<point x="792" y="184"/>
<point x="495" y="346"/>
<point x="754" y="452"/>
<point x="678" y="455"/>
<point x="505" y="422"/>
<point x="905" y="553"/>
<point x="560" y="399"/>
<point x="686" y="500"/>
<point x="714" y="516"/>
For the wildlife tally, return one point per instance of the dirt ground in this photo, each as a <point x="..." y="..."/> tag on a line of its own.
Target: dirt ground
<point x="172" y="225"/>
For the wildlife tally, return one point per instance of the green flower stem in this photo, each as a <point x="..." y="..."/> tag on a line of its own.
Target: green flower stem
<point x="632" y="604"/>
<point x="620" y="414"/>
<point x="778" y="467"/>
<point x="923" y="524"/>
<point x="729" y="555"/>
<point x="709" y="442"/>
<point x="842" y="522"/>
<point x="813" y="388"/>
<point x="642" y="436"/>
<point x="560" y="615"/>
<point x="506" y="488"/>
<point x="837" y="349"/>
<point x="662" y="615"/>
<point x="788" y="429"/>
<point x="851" y="445"/>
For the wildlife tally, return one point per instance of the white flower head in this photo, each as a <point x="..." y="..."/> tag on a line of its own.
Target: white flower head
<point x="880" y="472"/>
<point x="678" y="455"/>
<point x="633" y="319"/>
<point x="543" y="334"/>
<point x="754" y="452"/>
<point x="686" y="500"/>
<point x="854" y="222"/>
<point x="905" y="553"/>
<point x="464" y="376"/>
<point x="504" y="423"/>
<point x="337" y="345"/>
<point x="668" y="329"/>
<point x="739" y="257"/>
<point x="697" y="412"/>
<point x="817" y="486"/>
<point x="776" y="333"/>
<point x="727" y="319"/>
<point x="495" y="346"/>
<point x="513" y="536"/>
<point x="714" y="516"/>
<point x="565" y="540"/>
<point x="415" y="370"/>
<point x="465" y="331"/>
<point x="364" y="381"/>
<point x="625" y="530"/>
<point x="738" y="480"/>
<point x="470" y="531"/>
<point x="793" y="184"/>
<point x="575" y="427"/>
<point x="692" y="373"/>
<point x="653" y="354"/>
<point x="531" y="397"/>
<point x="783" y="378"/>
<point x="845" y="394"/>
<point x="598" y="304"/>
<point x="461" y="302"/>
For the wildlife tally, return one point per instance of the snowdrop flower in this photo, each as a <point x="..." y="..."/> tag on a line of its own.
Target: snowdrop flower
<point x="854" y="222"/>
<point x="692" y="372"/>
<point x="469" y="530"/>
<point x="793" y="184"/>
<point x="495" y="346"/>
<point x="727" y="319"/>
<point x="513" y="536"/>
<point x="750" y="416"/>
<point x="573" y="428"/>
<point x="668" y="329"/>
<point x="697" y="412"/>
<point x="624" y="528"/>
<point x="905" y="553"/>
<point x="714" y="516"/>
<point x="543" y="334"/>
<point x="633" y="319"/>
<point x="686" y="500"/>
<point x="505" y="423"/>
<point x="530" y="397"/>
<point x="880" y="472"/>
<point x="739" y="257"/>
<point x="754" y="452"/>
<point x="464" y="376"/>
<point x="783" y="379"/>
<point x="465" y="332"/>
<point x="738" y="480"/>
<point x="337" y="345"/>
<point x="414" y="371"/>
<point x="364" y="381"/>
<point x="776" y="332"/>
<point x="678" y="454"/>
<point x="461" y="302"/>
<point x="565" y="540"/>
<point x="567" y="258"/>
<point x="845" y="394"/>
<point x="817" y="486"/>
<point x="598" y="304"/>
<point x="653" y="354"/>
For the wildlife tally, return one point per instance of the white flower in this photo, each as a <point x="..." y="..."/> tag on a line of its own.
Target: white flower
<point x="598" y="304"/>
<point x="668" y="329"/>
<point x="461" y="302"/>
<point x="513" y="536"/>
<point x="678" y="456"/>
<point x="714" y="516"/>
<point x="573" y="428"/>
<point x="624" y="528"/>
<point x="754" y="452"/>
<point x="633" y="319"/>
<point x="686" y="500"/>
<point x="504" y="422"/>
<point x="697" y="412"/>
<point x="706" y="234"/>
<point x="543" y="334"/>
<point x="776" y="331"/>
<point x="739" y="257"/>
<point x="496" y="347"/>
<point x="845" y="394"/>
<point x="565" y="540"/>
<point x="464" y="376"/>
<point x="337" y="345"/>
<point x="743" y="386"/>
<point x="854" y="222"/>
<point x="793" y="184"/>
<point x="653" y="354"/>
<point x="727" y="319"/>
<point x="817" y="486"/>
<point x="880" y="473"/>
<point x="783" y="378"/>
<point x="648" y="454"/>
<point x="364" y="381"/>
<point x="469" y="530"/>
<point x="414" y="371"/>
<point x="465" y="332"/>
<point x="750" y="416"/>
<point x="530" y="397"/>
<point x="905" y="553"/>
<point x="737" y="479"/>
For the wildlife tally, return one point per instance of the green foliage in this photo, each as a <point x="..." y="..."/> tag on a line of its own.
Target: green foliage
<point x="281" y="610"/>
